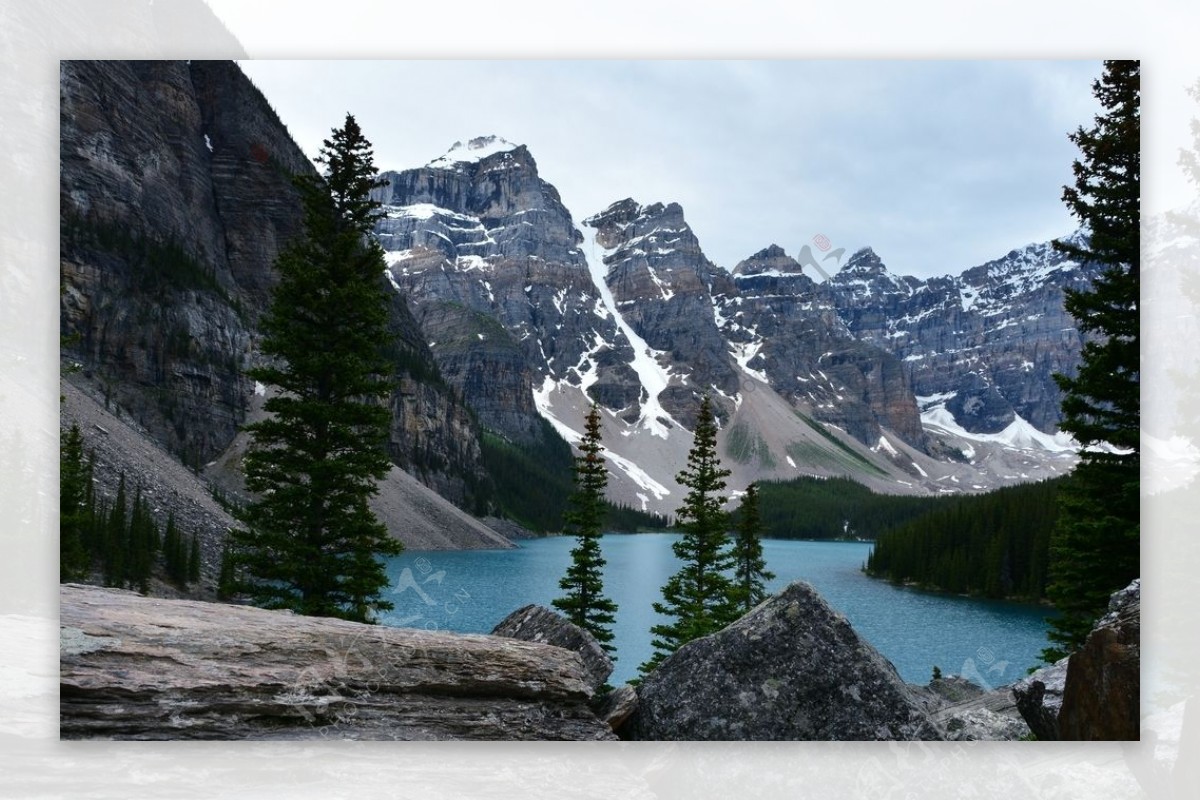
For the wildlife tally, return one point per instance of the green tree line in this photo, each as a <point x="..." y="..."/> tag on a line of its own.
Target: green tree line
<point x="118" y="542"/>
<point x="811" y="508"/>
<point x="995" y="545"/>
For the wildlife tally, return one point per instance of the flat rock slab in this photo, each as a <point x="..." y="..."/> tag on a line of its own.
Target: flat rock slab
<point x="155" y="669"/>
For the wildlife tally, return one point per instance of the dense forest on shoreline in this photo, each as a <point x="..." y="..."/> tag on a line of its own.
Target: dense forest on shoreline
<point x="995" y="545"/>
<point x="811" y="508"/>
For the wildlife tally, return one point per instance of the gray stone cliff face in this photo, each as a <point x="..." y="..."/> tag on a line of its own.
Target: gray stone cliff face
<point x="995" y="334"/>
<point x="490" y="261"/>
<point x="797" y="338"/>
<point x="664" y="286"/>
<point x="176" y="199"/>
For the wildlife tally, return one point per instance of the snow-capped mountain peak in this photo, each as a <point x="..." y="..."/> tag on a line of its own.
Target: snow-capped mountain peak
<point x="472" y="151"/>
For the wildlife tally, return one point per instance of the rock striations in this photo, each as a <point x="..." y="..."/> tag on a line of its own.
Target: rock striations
<point x="791" y="669"/>
<point x="141" y="668"/>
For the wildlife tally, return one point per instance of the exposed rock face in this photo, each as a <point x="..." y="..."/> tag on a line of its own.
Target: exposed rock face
<point x="1002" y="322"/>
<point x="176" y="199"/>
<point x="664" y="285"/>
<point x="1101" y="698"/>
<point x="785" y="326"/>
<point x="140" y="668"/>
<point x="534" y="623"/>
<point x="1039" y="699"/>
<point x="149" y="288"/>
<point x="616" y="707"/>
<point x="489" y="258"/>
<point x="791" y="669"/>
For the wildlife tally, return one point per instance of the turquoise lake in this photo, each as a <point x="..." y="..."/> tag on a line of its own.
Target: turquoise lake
<point x="990" y="642"/>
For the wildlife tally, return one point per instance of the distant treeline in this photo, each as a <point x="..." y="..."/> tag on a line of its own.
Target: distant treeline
<point x="833" y="508"/>
<point x="531" y="485"/>
<point x="117" y="542"/>
<point x="995" y="545"/>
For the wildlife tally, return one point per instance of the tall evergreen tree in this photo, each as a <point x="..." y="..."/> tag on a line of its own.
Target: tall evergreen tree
<point x="310" y="542"/>
<point x="584" y="602"/>
<point x="74" y="509"/>
<point x="1095" y="546"/>
<point x="699" y="597"/>
<point x="116" y="540"/>
<point x="750" y="574"/>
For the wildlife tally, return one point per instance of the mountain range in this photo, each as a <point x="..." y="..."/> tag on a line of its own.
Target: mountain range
<point x="512" y="313"/>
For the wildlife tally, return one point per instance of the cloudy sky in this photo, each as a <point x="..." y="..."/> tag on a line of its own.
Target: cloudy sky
<point x="937" y="165"/>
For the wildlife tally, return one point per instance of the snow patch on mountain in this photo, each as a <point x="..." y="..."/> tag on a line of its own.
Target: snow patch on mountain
<point x="545" y="407"/>
<point x="473" y="151"/>
<point x="653" y="377"/>
<point x="1018" y="434"/>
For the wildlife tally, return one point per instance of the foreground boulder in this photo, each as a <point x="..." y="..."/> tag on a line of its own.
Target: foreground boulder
<point x="1101" y="698"/>
<point x="1039" y="699"/>
<point x="146" y="668"/>
<point x="966" y="711"/>
<point x="791" y="669"/>
<point x="616" y="706"/>
<point x="536" y="623"/>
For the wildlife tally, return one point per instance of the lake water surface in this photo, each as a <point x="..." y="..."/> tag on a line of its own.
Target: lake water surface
<point x="990" y="642"/>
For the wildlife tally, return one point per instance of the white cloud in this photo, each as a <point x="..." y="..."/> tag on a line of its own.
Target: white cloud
<point x="938" y="165"/>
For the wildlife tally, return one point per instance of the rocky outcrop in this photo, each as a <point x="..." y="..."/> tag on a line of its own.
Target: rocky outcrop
<point x="177" y="197"/>
<point x="789" y="329"/>
<point x="664" y="285"/>
<point x="1101" y="697"/>
<point x="617" y="706"/>
<point x="966" y="712"/>
<point x="791" y="669"/>
<point x="1002" y="322"/>
<point x="1039" y="699"/>
<point x="535" y="623"/>
<point x="152" y="669"/>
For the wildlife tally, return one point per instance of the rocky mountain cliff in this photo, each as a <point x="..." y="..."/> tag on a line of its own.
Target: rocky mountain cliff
<point x="176" y="198"/>
<point x="993" y="335"/>
<point x="511" y="315"/>
<point x="907" y="384"/>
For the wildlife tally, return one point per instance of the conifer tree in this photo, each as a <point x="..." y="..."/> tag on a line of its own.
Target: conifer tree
<point x="1095" y="546"/>
<point x="750" y="574"/>
<point x="227" y="578"/>
<point x="75" y="479"/>
<point x="584" y="603"/>
<point x="310" y="542"/>
<point x="699" y="597"/>
<point x="116" y="536"/>
<point x="193" y="562"/>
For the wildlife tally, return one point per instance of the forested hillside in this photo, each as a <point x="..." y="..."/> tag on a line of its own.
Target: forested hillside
<point x="995" y="545"/>
<point x="832" y="508"/>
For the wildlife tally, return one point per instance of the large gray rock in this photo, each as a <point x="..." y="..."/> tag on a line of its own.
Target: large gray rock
<point x="1101" y="697"/>
<point x="534" y="623"/>
<point x="791" y="669"/>
<point x="1039" y="699"/>
<point x="153" y="669"/>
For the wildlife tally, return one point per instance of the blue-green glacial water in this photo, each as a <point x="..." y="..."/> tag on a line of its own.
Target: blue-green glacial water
<point x="990" y="642"/>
